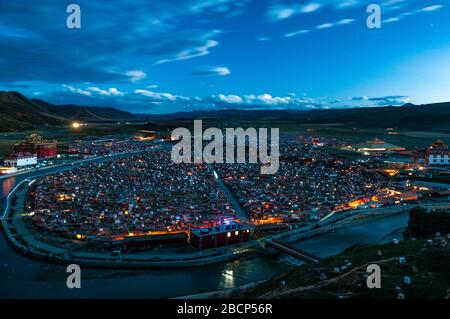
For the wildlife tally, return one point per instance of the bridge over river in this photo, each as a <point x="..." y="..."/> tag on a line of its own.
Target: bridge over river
<point x="293" y="251"/>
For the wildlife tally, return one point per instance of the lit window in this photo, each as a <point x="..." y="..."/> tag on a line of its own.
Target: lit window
<point x="228" y="234"/>
<point x="236" y="232"/>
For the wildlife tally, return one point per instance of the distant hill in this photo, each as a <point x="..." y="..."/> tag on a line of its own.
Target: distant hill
<point x="85" y="113"/>
<point x="19" y="113"/>
<point x="420" y="117"/>
<point x="230" y="114"/>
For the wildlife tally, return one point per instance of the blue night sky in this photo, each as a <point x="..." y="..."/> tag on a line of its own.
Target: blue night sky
<point x="179" y="55"/>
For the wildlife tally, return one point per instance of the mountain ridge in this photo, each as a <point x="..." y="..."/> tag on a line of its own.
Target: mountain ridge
<point x="17" y="112"/>
<point x="407" y="116"/>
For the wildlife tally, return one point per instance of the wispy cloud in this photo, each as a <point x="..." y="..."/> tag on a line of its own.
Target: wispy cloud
<point x="406" y="14"/>
<point x="325" y="26"/>
<point x="431" y="8"/>
<point x="310" y="7"/>
<point x="295" y="33"/>
<point x="390" y="20"/>
<point x="360" y="98"/>
<point x="204" y="44"/>
<point x="229" y="8"/>
<point x="346" y="4"/>
<point x="390" y="100"/>
<point x="136" y="75"/>
<point x="157" y="96"/>
<point x="76" y="90"/>
<point x="217" y="70"/>
<point x="393" y="2"/>
<point x="345" y="21"/>
<point x="107" y="92"/>
<point x="319" y="27"/>
<point x="280" y="12"/>
<point x="285" y="11"/>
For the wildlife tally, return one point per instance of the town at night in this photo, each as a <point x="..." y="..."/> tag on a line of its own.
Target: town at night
<point x="264" y="179"/>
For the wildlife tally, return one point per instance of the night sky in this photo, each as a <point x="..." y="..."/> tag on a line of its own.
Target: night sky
<point x="179" y="55"/>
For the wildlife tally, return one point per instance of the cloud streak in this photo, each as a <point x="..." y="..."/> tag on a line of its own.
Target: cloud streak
<point x="427" y="9"/>
<point x="431" y="8"/>
<point x="322" y="26"/>
<point x="200" y="47"/>
<point x="107" y="92"/>
<point x="136" y="75"/>
<point x="284" y="11"/>
<point x="210" y="71"/>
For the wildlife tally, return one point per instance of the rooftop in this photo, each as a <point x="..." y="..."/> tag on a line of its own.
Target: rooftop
<point x="378" y="145"/>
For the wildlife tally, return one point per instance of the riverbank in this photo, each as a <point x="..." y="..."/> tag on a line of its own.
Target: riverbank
<point x="343" y="276"/>
<point x="377" y="232"/>
<point x="223" y="293"/>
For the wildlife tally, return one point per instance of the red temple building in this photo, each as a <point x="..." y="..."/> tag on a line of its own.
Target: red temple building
<point x="35" y="144"/>
<point x="219" y="236"/>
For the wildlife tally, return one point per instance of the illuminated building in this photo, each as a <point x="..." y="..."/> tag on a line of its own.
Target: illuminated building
<point x="7" y="170"/>
<point x="224" y="235"/>
<point x="145" y="136"/>
<point x="356" y="203"/>
<point x="69" y="149"/>
<point x="391" y="172"/>
<point x="377" y="146"/>
<point x="35" y="144"/>
<point x="438" y="154"/>
<point x="20" y="159"/>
